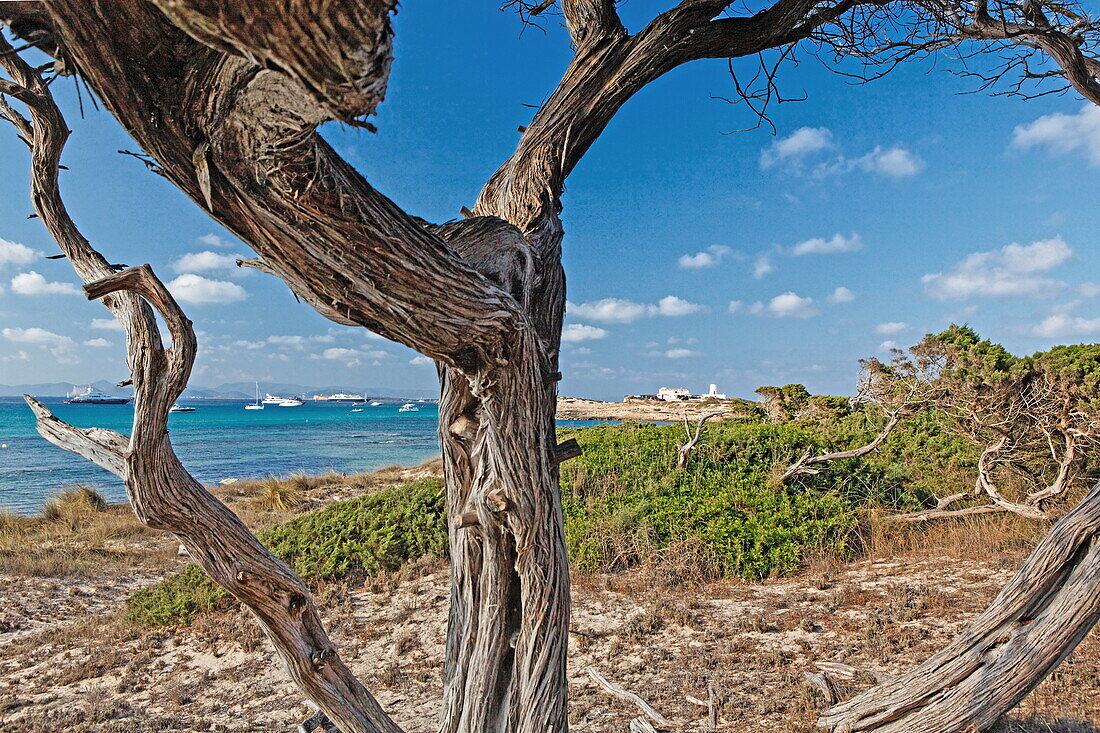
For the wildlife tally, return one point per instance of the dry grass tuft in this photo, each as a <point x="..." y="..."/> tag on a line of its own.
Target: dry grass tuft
<point x="74" y="506"/>
<point x="281" y="495"/>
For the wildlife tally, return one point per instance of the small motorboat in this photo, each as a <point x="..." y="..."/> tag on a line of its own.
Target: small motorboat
<point x="408" y="407"/>
<point x="291" y="402"/>
<point x="357" y="409"/>
<point x="177" y="407"/>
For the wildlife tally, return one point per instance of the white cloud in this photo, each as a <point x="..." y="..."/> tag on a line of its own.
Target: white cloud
<point x="841" y="295"/>
<point x="97" y="342"/>
<point x="350" y="357"/>
<point x="1009" y="271"/>
<point x="735" y="306"/>
<point x="206" y="261"/>
<point x="577" y="332"/>
<point x="1060" y="133"/>
<point x="819" y="246"/>
<point x="892" y="162"/>
<point x="295" y="341"/>
<point x="762" y="266"/>
<point x="61" y="347"/>
<point x="420" y="360"/>
<point x="31" y="283"/>
<point x="618" y="310"/>
<point x="35" y="335"/>
<point x="796" y="146"/>
<point x="891" y="328"/>
<point x="1062" y="325"/>
<point x="675" y="353"/>
<point x="1088" y="290"/>
<point x="787" y="305"/>
<point x="887" y="346"/>
<point x="610" y="310"/>
<point x="106" y="324"/>
<point x="250" y="345"/>
<point x="13" y="253"/>
<point x="213" y="240"/>
<point x="710" y="257"/>
<point x="793" y="151"/>
<point x="192" y="288"/>
<point x="674" y="307"/>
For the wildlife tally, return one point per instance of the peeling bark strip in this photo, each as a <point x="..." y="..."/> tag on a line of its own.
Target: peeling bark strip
<point x="1038" y="618"/>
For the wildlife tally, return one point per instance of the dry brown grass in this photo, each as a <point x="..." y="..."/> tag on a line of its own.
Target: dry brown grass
<point x="80" y="534"/>
<point x="984" y="536"/>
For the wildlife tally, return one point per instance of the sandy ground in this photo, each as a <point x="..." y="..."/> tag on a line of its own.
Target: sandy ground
<point x="67" y="662"/>
<point x="575" y="408"/>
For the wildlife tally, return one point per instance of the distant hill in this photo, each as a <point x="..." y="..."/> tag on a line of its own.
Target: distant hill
<point x="232" y="390"/>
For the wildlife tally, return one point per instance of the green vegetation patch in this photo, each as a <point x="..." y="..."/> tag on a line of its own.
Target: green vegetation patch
<point x="359" y="537"/>
<point x="626" y="503"/>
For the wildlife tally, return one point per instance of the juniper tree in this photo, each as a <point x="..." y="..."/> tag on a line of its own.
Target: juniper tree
<point x="226" y="97"/>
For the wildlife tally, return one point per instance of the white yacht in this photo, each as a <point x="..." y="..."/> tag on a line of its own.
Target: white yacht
<point x="90" y="396"/>
<point x="291" y="402"/>
<point x="270" y="399"/>
<point x="408" y="407"/>
<point x="177" y="407"/>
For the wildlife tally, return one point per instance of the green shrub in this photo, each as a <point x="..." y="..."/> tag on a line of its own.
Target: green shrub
<point x="359" y="537"/>
<point x="625" y="501"/>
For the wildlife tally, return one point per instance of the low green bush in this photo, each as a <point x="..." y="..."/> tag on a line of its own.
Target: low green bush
<point x="625" y="501"/>
<point x="359" y="537"/>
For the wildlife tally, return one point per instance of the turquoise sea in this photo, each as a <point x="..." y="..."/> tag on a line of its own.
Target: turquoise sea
<point x="219" y="440"/>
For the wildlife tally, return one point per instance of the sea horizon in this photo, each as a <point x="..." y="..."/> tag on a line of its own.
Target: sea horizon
<point x="220" y="440"/>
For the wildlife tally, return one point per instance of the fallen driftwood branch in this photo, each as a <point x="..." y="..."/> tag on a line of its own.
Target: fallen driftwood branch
<point x="709" y="704"/>
<point x="808" y="459"/>
<point x="984" y="484"/>
<point x="622" y="694"/>
<point x="641" y="725"/>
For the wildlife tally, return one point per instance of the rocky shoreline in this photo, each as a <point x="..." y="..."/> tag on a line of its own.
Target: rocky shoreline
<point x="576" y="408"/>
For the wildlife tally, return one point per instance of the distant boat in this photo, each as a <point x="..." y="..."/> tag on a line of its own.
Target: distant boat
<point x="375" y="404"/>
<point x="357" y="409"/>
<point x="177" y="407"/>
<point x="291" y="402"/>
<point x="270" y="399"/>
<point x="255" y="405"/>
<point x="409" y="407"/>
<point x="89" y="396"/>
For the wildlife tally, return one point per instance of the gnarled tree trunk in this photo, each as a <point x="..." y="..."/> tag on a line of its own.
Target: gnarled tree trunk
<point x="1038" y="618"/>
<point x="226" y="98"/>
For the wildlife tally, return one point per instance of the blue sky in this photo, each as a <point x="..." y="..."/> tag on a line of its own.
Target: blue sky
<point x="877" y="213"/>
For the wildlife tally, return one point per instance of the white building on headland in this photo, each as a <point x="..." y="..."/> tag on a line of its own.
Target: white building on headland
<point x="676" y="394"/>
<point x="672" y="394"/>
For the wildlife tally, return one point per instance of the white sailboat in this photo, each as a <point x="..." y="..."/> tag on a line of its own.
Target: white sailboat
<point x="255" y="405"/>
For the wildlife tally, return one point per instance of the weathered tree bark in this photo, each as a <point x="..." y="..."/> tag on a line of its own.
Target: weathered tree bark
<point x="1038" y="618"/>
<point x="226" y="97"/>
<point x="162" y="493"/>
